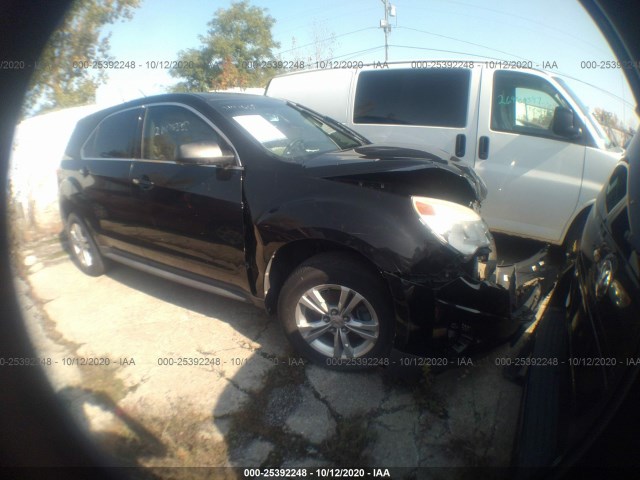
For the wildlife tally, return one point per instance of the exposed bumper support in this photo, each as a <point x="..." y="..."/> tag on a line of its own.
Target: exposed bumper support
<point x="466" y="314"/>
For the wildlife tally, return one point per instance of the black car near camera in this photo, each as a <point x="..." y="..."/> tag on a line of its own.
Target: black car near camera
<point x="590" y="338"/>
<point x="357" y="247"/>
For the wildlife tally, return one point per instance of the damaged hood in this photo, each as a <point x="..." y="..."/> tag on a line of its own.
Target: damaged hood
<point x="388" y="164"/>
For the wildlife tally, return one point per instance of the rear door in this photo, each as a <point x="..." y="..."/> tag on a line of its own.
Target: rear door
<point x="533" y="176"/>
<point x="103" y="173"/>
<point x="193" y="214"/>
<point x="423" y="107"/>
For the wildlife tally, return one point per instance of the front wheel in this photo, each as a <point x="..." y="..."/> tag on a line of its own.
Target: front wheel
<point x="84" y="250"/>
<point x="337" y="312"/>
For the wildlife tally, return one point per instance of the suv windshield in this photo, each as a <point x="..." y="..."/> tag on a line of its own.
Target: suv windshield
<point x="289" y="131"/>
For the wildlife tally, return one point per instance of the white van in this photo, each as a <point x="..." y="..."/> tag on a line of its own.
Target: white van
<point x="542" y="155"/>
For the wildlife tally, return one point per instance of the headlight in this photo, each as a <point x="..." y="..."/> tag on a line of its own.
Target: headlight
<point x="458" y="226"/>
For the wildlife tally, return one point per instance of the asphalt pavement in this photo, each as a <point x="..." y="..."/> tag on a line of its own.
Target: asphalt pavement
<point x="162" y="375"/>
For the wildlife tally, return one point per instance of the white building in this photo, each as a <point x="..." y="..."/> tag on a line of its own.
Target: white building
<point x="38" y="145"/>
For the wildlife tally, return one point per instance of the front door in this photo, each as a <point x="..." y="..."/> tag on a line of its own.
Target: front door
<point x="533" y="175"/>
<point x="193" y="214"/>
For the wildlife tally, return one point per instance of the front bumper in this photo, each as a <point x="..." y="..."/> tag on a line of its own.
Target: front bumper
<point x="463" y="315"/>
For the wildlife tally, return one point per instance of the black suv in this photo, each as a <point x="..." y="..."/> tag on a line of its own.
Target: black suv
<point x="357" y="247"/>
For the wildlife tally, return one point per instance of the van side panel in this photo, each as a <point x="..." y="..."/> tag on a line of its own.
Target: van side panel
<point x="326" y="91"/>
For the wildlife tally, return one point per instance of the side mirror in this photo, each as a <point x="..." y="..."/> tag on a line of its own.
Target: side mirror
<point x="565" y="123"/>
<point x="203" y="153"/>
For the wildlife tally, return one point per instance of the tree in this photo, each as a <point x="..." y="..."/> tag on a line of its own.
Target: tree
<point x="322" y="46"/>
<point x="238" y="43"/>
<point x="613" y="126"/>
<point x="63" y="76"/>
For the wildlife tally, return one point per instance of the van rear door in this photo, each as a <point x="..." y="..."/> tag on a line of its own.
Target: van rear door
<point x="423" y="107"/>
<point x="533" y="169"/>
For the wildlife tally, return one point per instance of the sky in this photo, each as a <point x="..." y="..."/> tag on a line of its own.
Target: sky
<point x="557" y="31"/>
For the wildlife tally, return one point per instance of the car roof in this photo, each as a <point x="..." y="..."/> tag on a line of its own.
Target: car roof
<point x="188" y="98"/>
<point x="210" y="98"/>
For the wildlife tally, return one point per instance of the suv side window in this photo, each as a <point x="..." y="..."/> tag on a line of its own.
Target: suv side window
<point x="168" y="127"/>
<point x="429" y="97"/>
<point x="525" y="104"/>
<point x="114" y="137"/>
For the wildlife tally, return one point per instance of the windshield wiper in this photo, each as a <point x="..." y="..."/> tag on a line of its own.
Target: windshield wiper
<point x="330" y="121"/>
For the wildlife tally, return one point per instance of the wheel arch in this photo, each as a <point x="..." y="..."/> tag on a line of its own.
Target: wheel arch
<point x="575" y="225"/>
<point x="288" y="257"/>
<point x="67" y="189"/>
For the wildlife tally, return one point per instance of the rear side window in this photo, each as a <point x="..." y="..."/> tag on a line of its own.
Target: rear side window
<point x="114" y="137"/>
<point x="430" y="97"/>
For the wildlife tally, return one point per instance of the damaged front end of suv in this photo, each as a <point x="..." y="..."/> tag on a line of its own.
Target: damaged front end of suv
<point x="426" y="239"/>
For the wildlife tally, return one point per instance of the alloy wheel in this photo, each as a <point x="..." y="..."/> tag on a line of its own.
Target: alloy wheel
<point x="337" y="321"/>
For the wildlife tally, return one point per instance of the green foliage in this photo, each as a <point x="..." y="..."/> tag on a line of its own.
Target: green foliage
<point x="55" y="82"/>
<point x="238" y="40"/>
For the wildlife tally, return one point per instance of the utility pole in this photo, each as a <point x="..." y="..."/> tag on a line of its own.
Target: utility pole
<point x="389" y="11"/>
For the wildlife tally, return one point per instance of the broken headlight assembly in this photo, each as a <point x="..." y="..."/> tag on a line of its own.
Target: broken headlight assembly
<point x="455" y="225"/>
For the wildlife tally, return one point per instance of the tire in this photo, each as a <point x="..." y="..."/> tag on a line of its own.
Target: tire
<point x="336" y="312"/>
<point x="84" y="251"/>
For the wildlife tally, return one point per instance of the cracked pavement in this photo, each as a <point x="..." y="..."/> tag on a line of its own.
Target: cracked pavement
<point x="242" y="397"/>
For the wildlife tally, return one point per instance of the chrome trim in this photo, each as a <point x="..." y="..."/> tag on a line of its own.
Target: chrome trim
<point x="166" y="162"/>
<point x="173" y="276"/>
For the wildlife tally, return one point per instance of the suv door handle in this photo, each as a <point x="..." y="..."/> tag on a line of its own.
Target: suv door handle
<point x="143" y="182"/>
<point x="483" y="148"/>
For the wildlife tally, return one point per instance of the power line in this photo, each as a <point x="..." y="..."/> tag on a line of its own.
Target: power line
<point x="367" y="50"/>
<point x="463" y="41"/>
<point x="527" y="19"/>
<point x="448" y="51"/>
<point x="361" y="51"/>
<point x="325" y="39"/>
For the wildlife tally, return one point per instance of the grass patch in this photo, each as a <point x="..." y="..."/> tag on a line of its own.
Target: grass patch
<point x="344" y="449"/>
<point x="347" y="446"/>
<point x="249" y="423"/>
<point x="425" y="396"/>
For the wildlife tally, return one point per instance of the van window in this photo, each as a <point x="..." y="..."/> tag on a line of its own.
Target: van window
<point x="524" y="104"/>
<point x="114" y="137"/>
<point x="430" y="97"/>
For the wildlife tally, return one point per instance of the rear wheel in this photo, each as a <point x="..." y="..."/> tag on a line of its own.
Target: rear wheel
<point x="337" y="313"/>
<point x="84" y="250"/>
